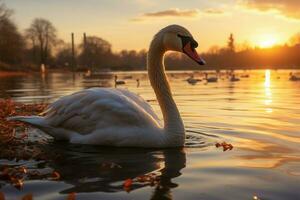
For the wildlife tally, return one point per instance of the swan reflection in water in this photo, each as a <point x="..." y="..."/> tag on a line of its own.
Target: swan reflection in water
<point x="82" y="167"/>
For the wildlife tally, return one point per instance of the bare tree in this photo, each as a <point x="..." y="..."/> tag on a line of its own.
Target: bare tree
<point x="5" y="13"/>
<point x="11" y="41"/>
<point x="42" y="35"/>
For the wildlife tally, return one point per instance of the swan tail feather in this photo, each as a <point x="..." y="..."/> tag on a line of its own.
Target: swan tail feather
<point x="39" y="122"/>
<point x="32" y="120"/>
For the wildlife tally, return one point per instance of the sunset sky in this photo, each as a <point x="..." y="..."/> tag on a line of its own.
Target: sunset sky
<point x="130" y="24"/>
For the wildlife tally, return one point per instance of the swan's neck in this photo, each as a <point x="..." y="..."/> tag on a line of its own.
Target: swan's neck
<point x="173" y="124"/>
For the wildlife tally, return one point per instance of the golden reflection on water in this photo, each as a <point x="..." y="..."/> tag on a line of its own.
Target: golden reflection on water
<point x="258" y="115"/>
<point x="268" y="91"/>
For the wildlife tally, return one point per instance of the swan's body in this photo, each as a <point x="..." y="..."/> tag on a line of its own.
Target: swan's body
<point x="101" y="116"/>
<point x="118" y="117"/>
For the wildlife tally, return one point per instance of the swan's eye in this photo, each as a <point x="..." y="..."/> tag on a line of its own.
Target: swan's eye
<point x="194" y="44"/>
<point x="188" y="39"/>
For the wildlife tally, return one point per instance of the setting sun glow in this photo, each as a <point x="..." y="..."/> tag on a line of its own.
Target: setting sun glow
<point x="268" y="41"/>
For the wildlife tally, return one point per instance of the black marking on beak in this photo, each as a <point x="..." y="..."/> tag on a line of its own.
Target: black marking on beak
<point x="187" y="39"/>
<point x="189" y="46"/>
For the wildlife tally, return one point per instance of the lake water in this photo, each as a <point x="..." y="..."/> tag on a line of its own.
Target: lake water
<point x="259" y="115"/>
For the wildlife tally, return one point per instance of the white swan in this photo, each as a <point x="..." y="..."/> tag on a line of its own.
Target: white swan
<point x="117" y="117"/>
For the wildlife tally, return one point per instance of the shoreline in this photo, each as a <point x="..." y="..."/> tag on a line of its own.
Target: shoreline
<point x="30" y="72"/>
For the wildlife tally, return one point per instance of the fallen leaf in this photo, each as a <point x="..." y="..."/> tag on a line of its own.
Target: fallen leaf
<point x="55" y="175"/>
<point x="71" y="196"/>
<point x="226" y="146"/>
<point x="12" y="144"/>
<point x="127" y="182"/>
<point x="2" y="197"/>
<point x="27" y="197"/>
<point x="127" y="185"/>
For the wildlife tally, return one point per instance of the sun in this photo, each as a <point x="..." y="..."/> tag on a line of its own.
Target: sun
<point x="267" y="41"/>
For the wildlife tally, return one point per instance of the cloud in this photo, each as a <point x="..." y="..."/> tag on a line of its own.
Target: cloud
<point x="173" y="12"/>
<point x="213" y="11"/>
<point x="288" y="8"/>
<point x="177" y="13"/>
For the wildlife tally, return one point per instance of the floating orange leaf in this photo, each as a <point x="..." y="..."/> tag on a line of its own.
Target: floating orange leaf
<point x="27" y="197"/>
<point x="127" y="182"/>
<point x="2" y="197"/>
<point x="71" y="196"/>
<point x="127" y="185"/>
<point x="226" y="146"/>
<point x="55" y="175"/>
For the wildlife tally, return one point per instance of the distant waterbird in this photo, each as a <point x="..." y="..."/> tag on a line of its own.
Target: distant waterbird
<point x="211" y="79"/>
<point x="119" y="82"/>
<point x="294" y="77"/>
<point x="118" y="117"/>
<point x="233" y="78"/>
<point x="245" y="76"/>
<point x="191" y="80"/>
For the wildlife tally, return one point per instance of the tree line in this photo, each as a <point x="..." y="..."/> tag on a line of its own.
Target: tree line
<point x="39" y="44"/>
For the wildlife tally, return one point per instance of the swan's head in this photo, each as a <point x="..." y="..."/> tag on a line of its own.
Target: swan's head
<point x="178" y="38"/>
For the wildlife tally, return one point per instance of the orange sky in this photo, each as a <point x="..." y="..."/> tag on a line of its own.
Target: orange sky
<point x="130" y="24"/>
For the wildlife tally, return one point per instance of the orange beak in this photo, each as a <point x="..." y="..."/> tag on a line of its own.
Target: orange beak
<point x="192" y="53"/>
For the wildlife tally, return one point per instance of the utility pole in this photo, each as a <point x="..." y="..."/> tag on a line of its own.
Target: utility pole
<point x="84" y="40"/>
<point x="73" y="52"/>
<point x="84" y="50"/>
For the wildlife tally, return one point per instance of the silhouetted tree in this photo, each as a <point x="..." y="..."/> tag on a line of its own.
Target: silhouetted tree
<point x="231" y="43"/>
<point x="295" y="39"/>
<point x="131" y="59"/>
<point x="11" y="41"/>
<point x="63" y="57"/>
<point x="42" y="35"/>
<point x="5" y="12"/>
<point x="96" y="53"/>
